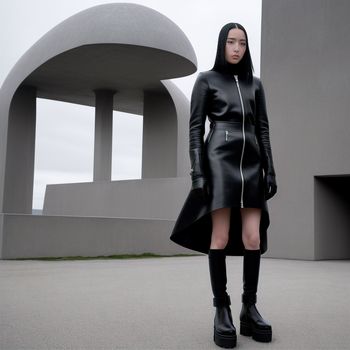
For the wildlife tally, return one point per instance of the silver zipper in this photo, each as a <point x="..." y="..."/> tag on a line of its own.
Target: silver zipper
<point x="226" y="135"/>
<point x="243" y="132"/>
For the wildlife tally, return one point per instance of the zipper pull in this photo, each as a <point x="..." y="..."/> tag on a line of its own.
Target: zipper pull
<point x="236" y="78"/>
<point x="226" y="134"/>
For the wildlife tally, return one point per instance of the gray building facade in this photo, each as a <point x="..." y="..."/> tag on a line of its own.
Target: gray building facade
<point x="304" y="67"/>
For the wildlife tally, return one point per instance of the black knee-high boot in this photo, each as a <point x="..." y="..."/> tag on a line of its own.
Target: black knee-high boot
<point x="252" y="324"/>
<point x="224" y="330"/>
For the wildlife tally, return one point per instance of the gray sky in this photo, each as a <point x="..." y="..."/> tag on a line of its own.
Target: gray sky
<point x="64" y="135"/>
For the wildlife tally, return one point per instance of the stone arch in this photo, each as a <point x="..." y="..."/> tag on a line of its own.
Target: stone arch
<point x="122" y="49"/>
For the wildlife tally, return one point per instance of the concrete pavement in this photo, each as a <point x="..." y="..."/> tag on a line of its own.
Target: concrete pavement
<point x="166" y="303"/>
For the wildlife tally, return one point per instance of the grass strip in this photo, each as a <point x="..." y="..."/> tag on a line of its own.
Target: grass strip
<point x="107" y="257"/>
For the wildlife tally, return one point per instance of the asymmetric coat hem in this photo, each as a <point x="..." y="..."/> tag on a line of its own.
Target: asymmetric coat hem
<point x="193" y="227"/>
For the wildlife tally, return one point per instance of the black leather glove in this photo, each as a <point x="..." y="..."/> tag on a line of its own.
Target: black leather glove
<point x="270" y="186"/>
<point x="199" y="181"/>
<point x="263" y="136"/>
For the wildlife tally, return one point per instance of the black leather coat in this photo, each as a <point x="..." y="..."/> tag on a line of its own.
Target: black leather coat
<point x="231" y="161"/>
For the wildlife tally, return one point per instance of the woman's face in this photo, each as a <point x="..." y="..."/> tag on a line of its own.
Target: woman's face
<point x="235" y="45"/>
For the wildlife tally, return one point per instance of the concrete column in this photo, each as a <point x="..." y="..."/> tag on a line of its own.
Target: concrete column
<point x="103" y="135"/>
<point x="182" y="109"/>
<point x="19" y="172"/>
<point x="159" y="146"/>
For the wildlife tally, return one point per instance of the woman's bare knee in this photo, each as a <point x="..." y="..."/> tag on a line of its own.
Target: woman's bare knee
<point x="250" y="227"/>
<point x="251" y="242"/>
<point x="221" y="227"/>
<point x="218" y="242"/>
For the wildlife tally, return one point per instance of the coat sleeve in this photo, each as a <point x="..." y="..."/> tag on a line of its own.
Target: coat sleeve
<point x="262" y="130"/>
<point x="199" y="103"/>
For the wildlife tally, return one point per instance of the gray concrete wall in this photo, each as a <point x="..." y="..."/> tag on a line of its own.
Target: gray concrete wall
<point x="146" y="198"/>
<point x="55" y="236"/>
<point x="304" y="68"/>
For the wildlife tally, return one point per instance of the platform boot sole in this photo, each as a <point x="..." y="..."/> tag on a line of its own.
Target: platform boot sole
<point x="225" y="341"/>
<point x="260" y="335"/>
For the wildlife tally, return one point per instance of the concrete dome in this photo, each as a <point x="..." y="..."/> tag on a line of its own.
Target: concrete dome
<point x="124" y="47"/>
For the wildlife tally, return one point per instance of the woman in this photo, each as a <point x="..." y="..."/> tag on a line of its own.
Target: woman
<point x="232" y="175"/>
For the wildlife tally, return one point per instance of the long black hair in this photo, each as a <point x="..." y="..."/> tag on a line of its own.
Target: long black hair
<point x="245" y="67"/>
